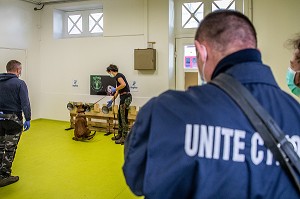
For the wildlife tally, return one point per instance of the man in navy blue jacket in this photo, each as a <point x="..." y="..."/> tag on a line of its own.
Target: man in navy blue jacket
<point x="13" y="102"/>
<point x="198" y="143"/>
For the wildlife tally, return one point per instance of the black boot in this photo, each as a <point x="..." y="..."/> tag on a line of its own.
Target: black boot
<point x="107" y="133"/>
<point x="122" y="139"/>
<point x="4" y="181"/>
<point x="117" y="137"/>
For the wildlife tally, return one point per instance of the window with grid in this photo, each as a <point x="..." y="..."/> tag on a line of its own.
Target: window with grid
<point x="74" y="24"/>
<point x="96" y="22"/>
<point x="193" y="12"/>
<point x="224" y="4"/>
<point x="83" y="23"/>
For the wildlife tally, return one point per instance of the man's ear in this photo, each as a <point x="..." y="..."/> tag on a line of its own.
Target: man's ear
<point x="201" y="49"/>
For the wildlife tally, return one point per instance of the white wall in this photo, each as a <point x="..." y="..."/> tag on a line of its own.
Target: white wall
<point x="128" y="25"/>
<point x="20" y="32"/>
<point x="52" y="64"/>
<point x="276" y="22"/>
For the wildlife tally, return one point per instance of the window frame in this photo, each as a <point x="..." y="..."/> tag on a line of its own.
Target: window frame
<point x="240" y="5"/>
<point x="192" y="14"/>
<point x="67" y="14"/>
<point x="85" y="14"/>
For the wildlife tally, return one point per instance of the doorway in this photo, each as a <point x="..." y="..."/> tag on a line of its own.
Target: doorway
<point x="186" y="64"/>
<point x="7" y="54"/>
<point x="188" y="16"/>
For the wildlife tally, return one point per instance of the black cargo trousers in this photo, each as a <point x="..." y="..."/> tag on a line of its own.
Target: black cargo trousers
<point x="10" y="133"/>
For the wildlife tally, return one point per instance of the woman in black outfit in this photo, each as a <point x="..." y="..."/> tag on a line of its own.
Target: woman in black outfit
<point x="122" y="89"/>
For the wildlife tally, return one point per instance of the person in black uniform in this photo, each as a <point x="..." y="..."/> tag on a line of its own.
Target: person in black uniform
<point x="122" y="89"/>
<point x="13" y="101"/>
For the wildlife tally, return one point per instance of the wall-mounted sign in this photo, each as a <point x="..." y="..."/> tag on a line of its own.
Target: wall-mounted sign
<point x="134" y="86"/>
<point x="190" y="62"/>
<point x="99" y="84"/>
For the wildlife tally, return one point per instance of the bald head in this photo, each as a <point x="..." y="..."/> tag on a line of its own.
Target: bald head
<point x="225" y="29"/>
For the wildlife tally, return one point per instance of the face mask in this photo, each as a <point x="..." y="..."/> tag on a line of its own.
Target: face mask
<point x="19" y="72"/>
<point x="111" y="75"/>
<point x="203" y="67"/>
<point x="202" y="75"/>
<point x="290" y="76"/>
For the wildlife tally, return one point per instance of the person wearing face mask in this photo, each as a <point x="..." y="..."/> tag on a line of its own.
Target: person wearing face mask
<point x="122" y="89"/>
<point x="293" y="73"/>
<point x="13" y="102"/>
<point x="199" y="143"/>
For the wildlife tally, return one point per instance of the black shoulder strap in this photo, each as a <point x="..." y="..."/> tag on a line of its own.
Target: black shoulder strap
<point x="273" y="137"/>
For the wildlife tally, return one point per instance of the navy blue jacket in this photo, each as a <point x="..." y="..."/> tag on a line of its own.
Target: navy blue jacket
<point x="14" y="96"/>
<point x="198" y="144"/>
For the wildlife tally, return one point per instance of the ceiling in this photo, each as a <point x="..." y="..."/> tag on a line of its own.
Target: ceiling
<point x="45" y="2"/>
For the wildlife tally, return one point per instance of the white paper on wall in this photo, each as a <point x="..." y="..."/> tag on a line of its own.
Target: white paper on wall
<point x="133" y="86"/>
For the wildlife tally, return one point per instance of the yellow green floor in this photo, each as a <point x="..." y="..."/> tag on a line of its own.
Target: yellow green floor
<point x="53" y="166"/>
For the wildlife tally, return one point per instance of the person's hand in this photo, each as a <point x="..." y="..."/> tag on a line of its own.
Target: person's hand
<point x="109" y="103"/>
<point x="26" y="125"/>
<point x="113" y="89"/>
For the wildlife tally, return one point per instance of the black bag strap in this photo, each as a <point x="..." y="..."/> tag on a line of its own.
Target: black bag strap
<point x="273" y="136"/>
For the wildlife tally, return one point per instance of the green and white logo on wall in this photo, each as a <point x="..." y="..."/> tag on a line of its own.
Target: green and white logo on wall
<point x="96" y="83"/>
<point x="99" y="84"/>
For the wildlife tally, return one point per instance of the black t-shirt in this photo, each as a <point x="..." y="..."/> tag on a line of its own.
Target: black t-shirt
<point x="126" y="88"/>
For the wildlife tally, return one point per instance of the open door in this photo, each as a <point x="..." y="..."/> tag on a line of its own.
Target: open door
<point x="186" y="64"/>
<point x="7" y="54"/>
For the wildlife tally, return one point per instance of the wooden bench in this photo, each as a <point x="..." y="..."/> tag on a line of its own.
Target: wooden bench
<point x="98" y="121"/>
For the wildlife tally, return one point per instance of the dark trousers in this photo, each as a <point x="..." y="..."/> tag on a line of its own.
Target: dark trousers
<point x="125" y="101"/>
<point x="10" y="133"/>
